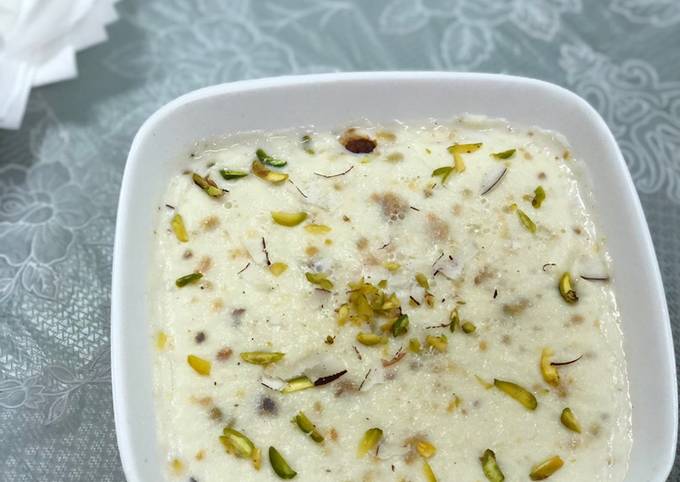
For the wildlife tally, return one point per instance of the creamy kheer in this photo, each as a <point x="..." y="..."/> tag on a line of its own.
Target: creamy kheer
<point x="387" y="303"/>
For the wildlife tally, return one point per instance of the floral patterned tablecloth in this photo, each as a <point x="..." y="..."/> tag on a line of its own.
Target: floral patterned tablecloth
<point x="60" y="174"/>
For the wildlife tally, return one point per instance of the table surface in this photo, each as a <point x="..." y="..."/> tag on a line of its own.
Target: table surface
<point x="60" y="174"/>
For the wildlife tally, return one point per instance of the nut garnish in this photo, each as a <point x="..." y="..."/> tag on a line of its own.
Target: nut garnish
<point x="200" y="365"/>
<point x="178" y="228"/>
<point x="546" y="468"/>
<point x="566" y="289"/>
<point x="280" y="465"/>
<point x="369" y="441"/>
<point x="261" y="357"/>
<point x="490" y="467"/>
<point x="568" y="419"/>
<point x="523" y="396"/>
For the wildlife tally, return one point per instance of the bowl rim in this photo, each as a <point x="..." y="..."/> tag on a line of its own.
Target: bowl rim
<point x="128" y="458"/>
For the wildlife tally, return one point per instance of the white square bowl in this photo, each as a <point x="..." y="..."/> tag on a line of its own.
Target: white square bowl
<point x="332" y="100"/>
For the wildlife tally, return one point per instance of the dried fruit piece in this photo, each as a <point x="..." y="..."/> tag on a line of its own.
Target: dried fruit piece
<point x="549" y="372"/>
<point x="421" y="279"/>
<point x="296" y="384"/>
<point x="261" y="357"/>
<point x="265" y="158"/>
<point x="566" y="289"/>
<point x="370" y="339"/>
<point x="280" y="465"/>
<point x="288" y="219"/>
<point x="468" y="327"/>
<point x="200" y="365"/>
<point x="546" y="468"/>
<point x="369" y="441"/>
<point x="526" y="221"/>
<point x="236" y="443"/>
<point x="457" y="150"/>
<point x="568" y="419"/>
<point x="425" y="449"/>
<point x="515" y="391"/>
<point x="428" y="472"/>
<point x="229" y="174"/>
<point x="400" y="326"/>
<point x="414" y="345"/>
<point x="539" y="197"/>
<point x="318" y="228"/>
<point x="208" y="185"/>
<point x="188" y="279"/>
<point x="308" y="427"/>
<point x="320" y="279"/>
<point x="490" y="467"/>
<point x="178" y="228"/>
<point x="278" y="268"/>
<point x="439" y="343"/>
<point x="261" y="171"/>
<point x="504" y="154"/>
<point x="358" y="144"/>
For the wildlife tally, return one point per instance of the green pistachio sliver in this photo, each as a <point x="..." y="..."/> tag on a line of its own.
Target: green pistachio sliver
<point x="468" y="327"/>
<point x="280" y="465"/>
<point x="539" y="197"/>
<point x="546" y="468"/>
<point x="307" y="144"/>
<point x="230" y="174"/>
<point x="523" y="396"/>
<point x="236" y="443"/>
<point x="566" y="289"/>
<point x="526" y="221"/>
<point x="371" y="438"/>
<point x="568" y="419"/>
<point x="504" y="154"/>
<point x="261" y="357"/>
<point x="444" y="172"/>
<point x="414" y="345"/>
<point x="400" y="326"/>
<point x="265" y="158"/>
<point x="208" y="185"/>
<point x="296" y="384"/>
<point x="308" y="427"/>
<point x="179" y="229"/>
<point x="490" y="467"/>
<point x="319" y="279"/>
<point x="370" y="339"/>
<point x="421" y="279"/>
<point x="428" y="472"/>
<point x="188" y="279"/>
<point x="454" y="320"/>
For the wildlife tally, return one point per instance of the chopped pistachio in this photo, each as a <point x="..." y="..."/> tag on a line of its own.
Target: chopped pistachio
<point x="208" y="185"/>
<point x="265" y="158"/>
<point x="371" y="438"/>
<point x="400" y="326"/>
<point x="549" y="372"/>
<point x="308" y="427"/>
<point x="188" y="279"/>
<point x="515" y="391"/>
<point x="200" y="365"/>
<point x="278" y="268"/>
<point x="343" y="314"/>
<point x="236" y="443"/>
<point x="504" y="154"/>
<point x="296" y="384"/>
<point x="457" y="150"/>
<point x="280" y="465"/>
<point x="468" y="327"/>
<point x="261" y="357"/>
<point x="539" y="197"/>
<point x="161" y="340"/>
<point x="526" y="221"/>
<point x="439" y="343"/>
<point x="428" y="298"/>
<point x="317" y="228"/>
<point x="288" y="219"/>
<point x="421" y="279"/>
<point x="454" y="320"/>
<point x="568" y="419"/>
<point x="546" y="468"/>
<point x="484" y="383"/>
<point x="444" y="172"/>
<point x="229" y="174"/>
<point x="566" y="289"/>
<point x="382" y="283"/>
<point x="370" y="339"/>
<point x="261" y="171"/>
<point x="428" y="472"/>
<point x="425" y="449"/>
<point x="490" y="467"/>
<point x="307" y="144"/>
<point x="391" y="266"/>
<point x="256" y="458"/>
<point x="178" y="228"/>
<point x="319" y="279"/>
<point x="414" y="345"/>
